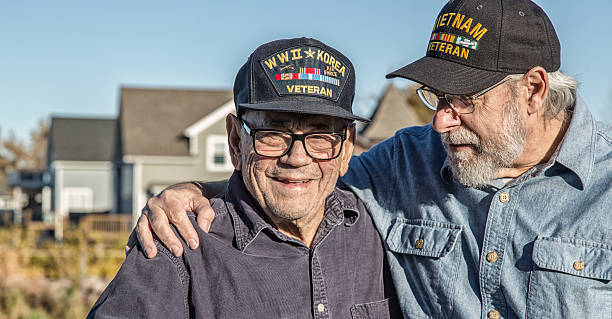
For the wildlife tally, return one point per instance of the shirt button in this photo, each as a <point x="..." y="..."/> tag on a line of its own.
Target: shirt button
<point x="504" y="197"/>
<point x="320" y="307"/>
<point x="579" y="265"/>
<point x="494" y="314"/>
<point x="492" y="257"/>
<point x="419" y="243"/>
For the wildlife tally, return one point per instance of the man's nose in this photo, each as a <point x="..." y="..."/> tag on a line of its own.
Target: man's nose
<point x="445" y="118"/>
<point x="297" y="155"/>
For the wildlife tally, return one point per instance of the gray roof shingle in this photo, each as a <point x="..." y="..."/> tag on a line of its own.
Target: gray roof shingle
<point x="153" y="120"/>
<point x="393" y="112"/>
<point x="82" y="139"/>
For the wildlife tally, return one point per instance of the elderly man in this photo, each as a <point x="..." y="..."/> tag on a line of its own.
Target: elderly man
<point x="285" y="243"/>
<point x="501" y="207"/>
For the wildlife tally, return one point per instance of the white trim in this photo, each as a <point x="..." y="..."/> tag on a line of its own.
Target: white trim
<point x="82" y="165"/>
<point x="211" y="166"/>
<point x="204" y="123"/>
<point x="59" y="208"/>
<point x="154" y="159"/>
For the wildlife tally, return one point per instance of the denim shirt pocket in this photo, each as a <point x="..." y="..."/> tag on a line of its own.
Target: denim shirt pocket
<point x="571" y="279"/>
<point x="422" y="237"/>
<point x="429" y="256"/>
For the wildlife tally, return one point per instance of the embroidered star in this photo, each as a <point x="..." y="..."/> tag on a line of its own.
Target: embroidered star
<point x="309" y="53"/>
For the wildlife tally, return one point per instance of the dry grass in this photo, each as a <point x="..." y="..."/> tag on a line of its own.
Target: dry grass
<point x="50" y="280"/>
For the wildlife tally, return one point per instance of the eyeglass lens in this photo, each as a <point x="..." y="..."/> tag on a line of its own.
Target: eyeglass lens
<point x="460" y="103"/>
<point x="317" y="145"/>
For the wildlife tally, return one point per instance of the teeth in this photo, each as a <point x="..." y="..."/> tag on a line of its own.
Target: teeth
<point x="287" y="181"/>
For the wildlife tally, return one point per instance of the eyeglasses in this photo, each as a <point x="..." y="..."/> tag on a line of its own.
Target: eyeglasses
<point x="462" y="104"/>
<point x="276" y="143"/>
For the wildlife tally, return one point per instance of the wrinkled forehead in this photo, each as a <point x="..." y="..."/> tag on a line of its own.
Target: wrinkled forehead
<point x="282" y="120"/>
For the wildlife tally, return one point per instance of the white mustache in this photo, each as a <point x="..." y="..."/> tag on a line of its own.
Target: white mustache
<point x="461" y="136"/>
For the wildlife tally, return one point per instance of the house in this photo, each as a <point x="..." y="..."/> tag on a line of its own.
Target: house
<point x="80" y="165"/>
<point x="168" y="136"/>
<point x="397" y="108"/>
<point x="31" y="197"/>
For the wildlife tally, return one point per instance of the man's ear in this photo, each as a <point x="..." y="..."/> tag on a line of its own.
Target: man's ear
<point x="234" y="129"/>
<point x="537" y="88"/>
<point x="347" y="149"/>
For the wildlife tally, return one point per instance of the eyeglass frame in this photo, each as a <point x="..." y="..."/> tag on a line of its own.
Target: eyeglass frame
<point x="294" y="137"/>
<point x="470" y="98"/>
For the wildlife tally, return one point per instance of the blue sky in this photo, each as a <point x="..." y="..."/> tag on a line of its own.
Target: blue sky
<point x="71" y="57"/>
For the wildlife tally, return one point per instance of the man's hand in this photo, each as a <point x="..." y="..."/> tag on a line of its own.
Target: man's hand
<point x="171" y="206"/>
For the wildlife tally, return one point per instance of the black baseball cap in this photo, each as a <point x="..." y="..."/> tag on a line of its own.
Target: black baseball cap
<point x="300" y="75"/>
<point x="477" y="43"/>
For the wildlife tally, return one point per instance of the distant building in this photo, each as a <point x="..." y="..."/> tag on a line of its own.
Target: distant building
<point x="167" y="136"/>
<point x="30" y="199"/>
<point x="80" y="164"/>
<point x="397" y="108"/>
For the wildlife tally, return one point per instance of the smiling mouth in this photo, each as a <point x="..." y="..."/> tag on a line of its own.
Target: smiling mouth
<point x="292" y="181"/>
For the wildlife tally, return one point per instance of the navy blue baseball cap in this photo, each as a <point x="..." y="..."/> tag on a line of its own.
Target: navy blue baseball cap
<point x="476" y="43"/>
<point x="300" y="75"/>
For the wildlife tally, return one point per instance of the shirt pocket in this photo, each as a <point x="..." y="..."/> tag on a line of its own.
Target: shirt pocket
<point x="570" y="279"/>
<point x="377" y="309"/>
<point x="428" y="256"/>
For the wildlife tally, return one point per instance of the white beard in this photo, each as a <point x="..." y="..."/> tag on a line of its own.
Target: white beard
<point x="477" y="168"/>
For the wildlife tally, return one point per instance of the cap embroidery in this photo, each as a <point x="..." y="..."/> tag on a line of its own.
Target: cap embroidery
<point x="447" y="37"/>
<point x="452" y="44"/>
<point x="306" y="71"/>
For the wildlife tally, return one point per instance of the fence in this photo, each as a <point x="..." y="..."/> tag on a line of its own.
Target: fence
<point x="97" y="225"/>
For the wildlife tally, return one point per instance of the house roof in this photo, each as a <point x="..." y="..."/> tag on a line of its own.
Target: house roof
<point x="393" y="112"/>
<point x="82" y="139"/>
<point x="153" y="121"/>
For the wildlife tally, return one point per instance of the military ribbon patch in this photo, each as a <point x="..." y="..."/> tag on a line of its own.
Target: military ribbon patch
<point x="462" y="41"/>
<point x="306" y="71"/>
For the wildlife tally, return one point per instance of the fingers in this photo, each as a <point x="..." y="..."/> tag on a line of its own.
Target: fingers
<point x="178" y="217"/>
<point x="132" y="240"/>
<point x="175" y="202"/>
<point x="160" y="225"/>
<point x="205" y="213"/>
<point x="144" y="235"/>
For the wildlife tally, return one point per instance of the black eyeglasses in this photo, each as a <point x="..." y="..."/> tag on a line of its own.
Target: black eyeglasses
<point x="276" y="143"/>
<point x="462" y="104"/>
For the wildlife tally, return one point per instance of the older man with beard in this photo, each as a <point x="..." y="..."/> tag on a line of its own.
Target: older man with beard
<point x="501" y="207"/>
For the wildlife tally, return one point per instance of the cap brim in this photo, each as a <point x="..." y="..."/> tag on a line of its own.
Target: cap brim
<point x="448" y="77"/>
<point x="304" y="107"/>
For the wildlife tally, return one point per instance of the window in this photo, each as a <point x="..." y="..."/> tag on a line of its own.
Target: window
<point x="217" y="154"/>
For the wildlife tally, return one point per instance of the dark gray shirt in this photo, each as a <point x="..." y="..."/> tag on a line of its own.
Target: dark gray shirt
<point x="245" y="268"/>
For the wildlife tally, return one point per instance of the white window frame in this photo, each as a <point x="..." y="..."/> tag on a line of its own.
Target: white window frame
<point x="211" y="141"/>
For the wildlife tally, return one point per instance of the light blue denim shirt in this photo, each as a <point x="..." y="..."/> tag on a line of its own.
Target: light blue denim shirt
<point x="540" y="247"/>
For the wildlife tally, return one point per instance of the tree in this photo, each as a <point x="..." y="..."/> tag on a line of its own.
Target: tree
<point x="17" y="155"/>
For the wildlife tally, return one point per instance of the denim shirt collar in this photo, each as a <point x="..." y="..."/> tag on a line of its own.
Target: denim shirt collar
<point x="576" y="152"/>
<point x="249" y="218"/>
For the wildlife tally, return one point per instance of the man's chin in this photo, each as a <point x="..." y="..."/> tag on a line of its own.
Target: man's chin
<point x="290" y="210"/>
<point x="472" y="173"/>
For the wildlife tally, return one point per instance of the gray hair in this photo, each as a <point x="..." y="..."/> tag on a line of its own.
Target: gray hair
<point x="561" y="94"/>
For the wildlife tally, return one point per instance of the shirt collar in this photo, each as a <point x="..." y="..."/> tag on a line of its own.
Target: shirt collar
<point x="249" y="219"/>
<point x="576" y="152"/>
